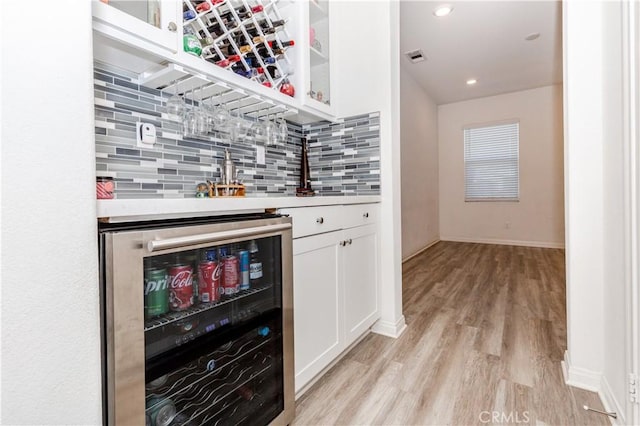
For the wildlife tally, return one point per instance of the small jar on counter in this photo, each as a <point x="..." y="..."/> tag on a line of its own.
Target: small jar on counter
<point x="104" y="187"/>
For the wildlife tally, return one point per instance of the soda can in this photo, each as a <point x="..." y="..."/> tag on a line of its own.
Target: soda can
<point x="180" y="287"/>
<point x="191" y="258"/>
<point x="244" y="269"/>
<point x="161" y="411"/>
<point x="230" y="278"/>
<point x="209" y="281"/>
<point x="223" y="252"/>
<point x="211" y="255"/>
<point x="156" y="292"/>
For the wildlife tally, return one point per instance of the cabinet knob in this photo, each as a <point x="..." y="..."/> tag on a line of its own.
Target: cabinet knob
<point x="349" y="241"/>
<point x="172" y="27"/>
<point x="343" y="243"/>
<point x="320" y="220"/>
<point x="366" y="215"/>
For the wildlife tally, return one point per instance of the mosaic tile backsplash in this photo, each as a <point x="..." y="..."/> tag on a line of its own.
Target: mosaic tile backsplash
<point x="344" y="157"/>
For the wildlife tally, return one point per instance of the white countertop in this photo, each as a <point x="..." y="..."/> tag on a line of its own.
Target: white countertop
<point x="165" y="208"/>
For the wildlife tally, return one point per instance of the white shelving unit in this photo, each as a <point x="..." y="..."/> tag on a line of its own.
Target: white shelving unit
<point x="155" y="54"/>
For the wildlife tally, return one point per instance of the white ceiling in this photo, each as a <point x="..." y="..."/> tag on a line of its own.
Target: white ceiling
<point x="484" y="40"/>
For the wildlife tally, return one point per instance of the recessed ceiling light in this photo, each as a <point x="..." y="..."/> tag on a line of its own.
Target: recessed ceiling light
<point x="471" y="81"/>
<point x="443" y="10"/>
<point x="532" y="36"/>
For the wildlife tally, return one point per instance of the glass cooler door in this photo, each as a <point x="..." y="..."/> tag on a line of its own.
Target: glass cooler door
<point x="213" y="334"/>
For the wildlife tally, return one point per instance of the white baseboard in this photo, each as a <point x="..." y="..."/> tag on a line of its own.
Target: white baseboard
<point x="594" y="382"/>
<point x="580" y="377"/>
<point x="542" y="244"/>
<point x="390" y="329"/>
<point x="422" y="250"/>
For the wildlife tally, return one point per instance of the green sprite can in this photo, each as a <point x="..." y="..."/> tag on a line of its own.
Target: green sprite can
<point x="156" y="292"/>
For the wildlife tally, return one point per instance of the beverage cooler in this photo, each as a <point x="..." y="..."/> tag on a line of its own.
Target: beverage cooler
<point x="197" y="321"/>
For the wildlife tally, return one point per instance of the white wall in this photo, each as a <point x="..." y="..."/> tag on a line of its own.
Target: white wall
<point x="50" y="322"/>
<point x="368" y="79"/>
<point x="597" y="183"/>
<point x="419" y="146"/>
<point x="537" y="219"/>
<point x="615" y="349"/>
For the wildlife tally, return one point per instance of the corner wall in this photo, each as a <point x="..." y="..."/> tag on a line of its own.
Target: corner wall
<point x="419" y="154"/>
<point x="599" y="183"/>
<point x="537" y="219"/>
<point x="51" y="368"/>
<point x="374" y="27"/>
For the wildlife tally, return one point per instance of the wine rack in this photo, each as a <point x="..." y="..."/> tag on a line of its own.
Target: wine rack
<point x="247" y="38"/>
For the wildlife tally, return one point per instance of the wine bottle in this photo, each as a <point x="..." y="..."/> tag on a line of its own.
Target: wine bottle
<point x="305" y="179"/>
<point x="241" y="15"/>
<point x="265" y="27"/>
<point x="203" y="7"/>
<point x="287" y="88"/>
<point x="286" y="43"/>
<point x="254" y="61"/>
<point x="253" y="32"/>
<point x="206" y="41"/>
<point x="228" y="61"/>
<point x="255" y="264"/>
<point x="265" y="53"/>
<point x="192" y="45"/>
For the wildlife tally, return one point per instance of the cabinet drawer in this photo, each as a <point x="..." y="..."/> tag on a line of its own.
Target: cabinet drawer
<point x="359" y="214"/>
<point x="314" y="220"/>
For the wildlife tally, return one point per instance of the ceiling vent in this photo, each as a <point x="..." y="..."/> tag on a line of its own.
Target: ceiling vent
<point x="415" y="56"/>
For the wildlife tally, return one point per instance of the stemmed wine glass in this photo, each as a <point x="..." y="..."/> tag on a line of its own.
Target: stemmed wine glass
<point x="221" y="117"/>
<point x="238" y="126"/>
<point x="271" y="131"/>
<point x="258" y="131"/>
<point x="189" y="124"/>
<point x="282" y="131"/>
<point x="175" y="104"/>
<point x="201" y="117"/>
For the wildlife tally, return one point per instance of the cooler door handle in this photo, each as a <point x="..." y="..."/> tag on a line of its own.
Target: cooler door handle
<point x="169" y="243"/>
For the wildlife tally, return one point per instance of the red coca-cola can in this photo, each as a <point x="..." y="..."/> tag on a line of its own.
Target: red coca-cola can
<point x="180" y="287"/>
<point x="231" y="275"/>
<point x="209" y="273"/>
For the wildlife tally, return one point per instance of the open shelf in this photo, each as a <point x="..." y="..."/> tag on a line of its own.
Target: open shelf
<point x="171" y="317"/>
<point x="316" y="12"/>
<point x="316" y="57"/>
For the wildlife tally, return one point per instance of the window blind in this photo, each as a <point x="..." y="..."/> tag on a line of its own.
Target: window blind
<point x="491" y="162"/>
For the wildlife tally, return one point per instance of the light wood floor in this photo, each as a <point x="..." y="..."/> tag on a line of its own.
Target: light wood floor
<point x="486" y="333"/>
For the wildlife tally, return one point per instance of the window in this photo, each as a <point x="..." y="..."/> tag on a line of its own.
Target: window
<point x="491" y="171"/>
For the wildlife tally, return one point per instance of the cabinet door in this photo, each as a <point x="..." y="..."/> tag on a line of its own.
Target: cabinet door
<point x="360" y="274"/>
<point x="316" y="301"/>
<point x="141" y="23"/>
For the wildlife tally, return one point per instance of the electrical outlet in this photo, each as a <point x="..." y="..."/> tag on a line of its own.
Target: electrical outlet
<point x="260" y="155"/>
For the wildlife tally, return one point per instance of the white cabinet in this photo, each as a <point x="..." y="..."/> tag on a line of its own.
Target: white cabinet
<point x="335" y="281"/>
<point x="360" y="262"/>
<point x="147" y="23"/>
<point x="317" y="304"/>
<point x="316" y="54"/>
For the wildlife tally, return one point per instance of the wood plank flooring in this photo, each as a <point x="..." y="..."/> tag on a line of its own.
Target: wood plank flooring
<point x="486" y="334"/>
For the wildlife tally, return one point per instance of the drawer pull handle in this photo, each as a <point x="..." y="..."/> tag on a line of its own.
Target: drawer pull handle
<point x="320" y="220"/>
<point x="343" y="243"/>
<point x="366" y="215"/>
